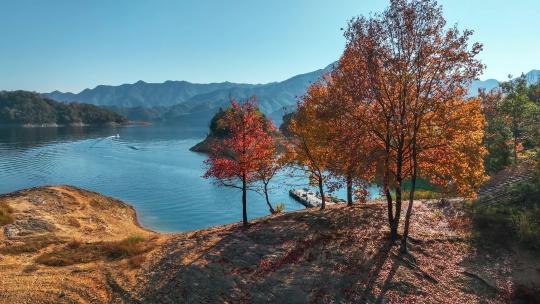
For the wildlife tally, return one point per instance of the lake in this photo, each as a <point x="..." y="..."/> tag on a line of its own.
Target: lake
<point x="149" y="167"/>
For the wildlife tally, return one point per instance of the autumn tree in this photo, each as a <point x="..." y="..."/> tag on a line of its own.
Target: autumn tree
<point x="270" y="164"/>
<point x="311" y="138"/>
<point x="353" y="165"/>
<point x="408" y="76"/>
<point x="238" y="160"/>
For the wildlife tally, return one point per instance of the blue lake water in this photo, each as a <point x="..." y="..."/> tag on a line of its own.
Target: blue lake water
<point x="149" y="167"/>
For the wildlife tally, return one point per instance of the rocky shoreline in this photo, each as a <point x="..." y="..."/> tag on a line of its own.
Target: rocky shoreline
<point x="205" y="145"/>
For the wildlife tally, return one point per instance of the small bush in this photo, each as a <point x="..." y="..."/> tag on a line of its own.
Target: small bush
<point x="76" y="252"/>
<point x="129" y="246"/>
<point x="30" y="268"/>
<point x="517" y="217"/>
<point x="73" y="222"/>
<point x="280" y="208"/>
<point x="136" y="261"/>
<point x="5" y="214"/>
<point x="68" y="255"/>
<point x="29" y="245"/>
<point x="526" y="226"/>
<point x="74" y="244"/>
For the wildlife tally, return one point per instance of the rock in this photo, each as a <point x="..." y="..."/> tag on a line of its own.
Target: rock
<point x="27" y="226"/>
<point x="37" y="200"/>
<point x="11" y="231"/>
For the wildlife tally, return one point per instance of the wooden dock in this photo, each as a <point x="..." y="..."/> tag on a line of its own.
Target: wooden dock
<point x="308" y="198"/>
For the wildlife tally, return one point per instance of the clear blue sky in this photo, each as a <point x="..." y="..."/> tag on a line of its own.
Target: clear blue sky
<point x="71" y="45"/>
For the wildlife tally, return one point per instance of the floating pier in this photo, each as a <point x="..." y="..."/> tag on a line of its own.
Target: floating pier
<point x="310" y="199"/>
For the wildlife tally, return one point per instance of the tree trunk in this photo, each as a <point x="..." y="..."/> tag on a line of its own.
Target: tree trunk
<point x="403" y="247"/>
<point x="390" y="211"/>
<point x="399" y="180"/>
<point x="321" y="190"/>
<point x="515" y="150"/>
<point x="244" y="202"/>
<point x="397" y="216"/>
<point x="515" y="134"/>
<point x="408" y="214"/>
<point x="272" y="211"/>
<point x="349" y="191"/>
<point x="386" y="181"/>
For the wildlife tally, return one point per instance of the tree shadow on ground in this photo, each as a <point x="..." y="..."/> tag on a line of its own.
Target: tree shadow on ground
<point x="339" y="255"/>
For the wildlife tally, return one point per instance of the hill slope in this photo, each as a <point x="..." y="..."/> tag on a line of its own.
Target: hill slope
<point x="28" y="108"/>
<point x="67" y="226"/>
<point x="339" y="255"/>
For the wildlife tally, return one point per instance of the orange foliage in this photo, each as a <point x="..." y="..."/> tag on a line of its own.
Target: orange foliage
<point x="395" y="108"/>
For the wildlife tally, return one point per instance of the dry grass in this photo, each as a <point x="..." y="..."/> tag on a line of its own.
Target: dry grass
<point x="76" y="252"/>
<point x="128" y="247"/>
<point x="30" y="268"/>
<point x="59" y="226"/>
<point x="136" y="261"/>
<point x="278" y="258"/>
<point x="68" y="255"/>
<point x="5" y="214"/>
<point x="73" y="222"/>
<point x="28" y="245"/>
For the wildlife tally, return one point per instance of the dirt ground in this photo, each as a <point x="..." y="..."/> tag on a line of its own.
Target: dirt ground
<point x="339" y="255"/>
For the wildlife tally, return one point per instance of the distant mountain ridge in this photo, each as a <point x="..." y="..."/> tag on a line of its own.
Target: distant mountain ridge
<point x="533" y="76"/>
<point x="144" y="94"/>
<point x="174" y="101"/>
<point x="194" y="103"/>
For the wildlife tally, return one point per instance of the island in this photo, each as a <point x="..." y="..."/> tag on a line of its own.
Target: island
<point x="218" y="130"/>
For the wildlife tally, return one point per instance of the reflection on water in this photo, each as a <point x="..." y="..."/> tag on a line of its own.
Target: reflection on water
<point x="150" y="167"/>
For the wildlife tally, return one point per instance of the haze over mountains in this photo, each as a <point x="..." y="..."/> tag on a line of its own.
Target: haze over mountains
<point x="194" y="103"/>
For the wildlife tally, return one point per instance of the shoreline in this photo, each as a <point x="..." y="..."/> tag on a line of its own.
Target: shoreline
<point x="66" y="244"/>
<point x="77" y="125"/>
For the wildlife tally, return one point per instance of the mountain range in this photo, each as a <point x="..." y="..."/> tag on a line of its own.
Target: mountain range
<point x="195" y="103"/>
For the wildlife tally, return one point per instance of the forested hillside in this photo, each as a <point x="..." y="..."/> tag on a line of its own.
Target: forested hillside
<point x="28" y="108"/>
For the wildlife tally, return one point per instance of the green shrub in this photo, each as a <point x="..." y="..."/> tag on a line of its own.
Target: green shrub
<point x="527" y="227"/>
<point x="516" y="217"/>
<point x="420" y="194"/>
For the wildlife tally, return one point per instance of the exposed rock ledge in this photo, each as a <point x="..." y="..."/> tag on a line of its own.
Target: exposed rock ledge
<point x="205" y="145"/>
<point x="339" y="255"/>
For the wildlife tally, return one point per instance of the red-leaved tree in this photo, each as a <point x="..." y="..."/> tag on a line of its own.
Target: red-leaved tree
<point x="237" y="161"/>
